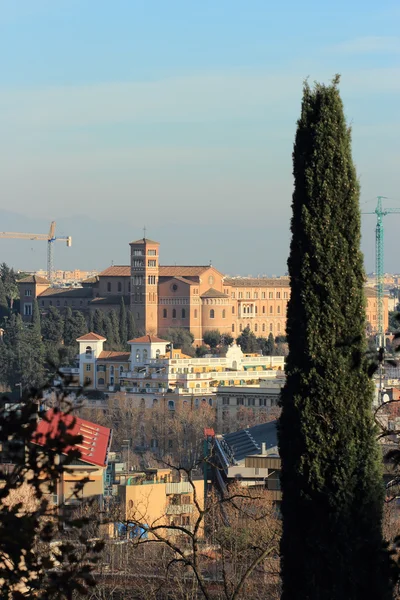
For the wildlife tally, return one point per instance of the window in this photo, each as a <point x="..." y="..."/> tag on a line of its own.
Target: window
<point x="89" y="352"/>
<point x="108" y="286"/>
<point x="263" y="326"/>
<point x="279" y="310"/>
<point x="285" y="295"/>
<point x="270" y="294"/>
<point x="263" y="310"/>
<point x="256" y="309"/>
<point x="195" y="313"/>
<point x="240" y="295"/>
<point x="87" y="380"/>
<point x="151" y="263"/>
<point x="28" y="292"/>
<point x="196" y="402"/>
<point x="43" y="302"/>
<point x="121" y="370"/>
<point x="171" y="404"/>
<point x="155" y="402"/>
<point x="112" y="370"/>
<point x="278" y="294"/>
<point x="256" y="327"/>
<point x="28" y="309"/>
<point x="232" y="294"/>
<point x="255" y="295"/>
<point x="119" y="286"/>
<point x="129" y="286"/>
<point x="164" y="313"/>
<point x="247" y="294"/>
<point x="210" y="401"/>
<point x="270" y="310"/>
<point x="138" y="263"/>
<point x="152" y="252"/>
<point x="270" y="327"/>
<point x="263" y="295"/>
<point x="100" y="381"/>
<point x="212" y="314"/>
<point x="225" y="401"/>
<point x="223" y="313"/>
<point x="251" y="402"/>
<point x="233" y="328"/>
<point x="137" y="252"/>
<point x="233" y="310"/>
<point x="88" y="367"/>
<point x="51" y="303"/>
<point x="240" y="402"/>
<point x="138" y="355"/>
<point x="144" y="354"/>
<point x="174" y="313"/>
<point x="157" y="352"/>
<point x="58" y="303"/>
<point x="183" y="313"/>
<point x="151" y="279"/>
<point x="240" y="327"/>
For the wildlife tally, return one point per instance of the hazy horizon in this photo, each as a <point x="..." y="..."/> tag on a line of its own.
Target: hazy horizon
<point x="181" y="117"/>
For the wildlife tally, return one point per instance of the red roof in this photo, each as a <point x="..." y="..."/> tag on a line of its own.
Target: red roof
<point x="116" y="271"/>
<point x="148" y="339"/>
<point x="96" y="439"/>
<point x="91" y="337"/>
<point x="114" y="355"/>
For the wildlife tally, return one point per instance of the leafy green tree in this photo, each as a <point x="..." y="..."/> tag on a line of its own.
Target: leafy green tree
<point x="227" y="339"/>
<point x="248" y="341"/>
<point x="4" y="311"/>
<point x="202" y="351"/>
<point x="394" y="322"/>
<point x="123" y="325"/>
<point x="267" y="345"/>
<point x="9" y="280"/>
<point x="115" y="327"/>
<point x="212" y="338"/>
<point x="181" y="338"/>
<point x="130" y="326"/>
<point x="52" y="326"/>
<point x="331" y="467"/>
<point x="74" y="326"/>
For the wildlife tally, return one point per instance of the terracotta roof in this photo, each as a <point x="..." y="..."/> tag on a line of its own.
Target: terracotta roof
<point x="256" y="282"/>
<point x="370" y="292"/>
<point x="67" y="293"/>
<point x="146" y="240"/>
<point x="96" y="441"/>
<point x="181" y="271"/>
<point x="117" y="356"/>
<point x="148" y="339"/>
<point x="111" y="299"/>
<point x="116" y="271"/>
<point x="91" y="337"/>
<point x="34" y="279"/>
<point x="212" y="293"/>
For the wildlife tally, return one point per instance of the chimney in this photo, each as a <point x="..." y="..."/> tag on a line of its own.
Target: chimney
<point x="263" y="448"/>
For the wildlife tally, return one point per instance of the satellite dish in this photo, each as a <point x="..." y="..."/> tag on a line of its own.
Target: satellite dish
<point x="385" y="398"/>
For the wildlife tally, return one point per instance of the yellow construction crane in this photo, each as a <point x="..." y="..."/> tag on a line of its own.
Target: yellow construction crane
<point x="49" y="237"/>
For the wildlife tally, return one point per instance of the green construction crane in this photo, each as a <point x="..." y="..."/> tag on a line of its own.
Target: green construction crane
<point x="379" y="265"/>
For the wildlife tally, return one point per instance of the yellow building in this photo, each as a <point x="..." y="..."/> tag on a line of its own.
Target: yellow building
<point x="153" y="498"/>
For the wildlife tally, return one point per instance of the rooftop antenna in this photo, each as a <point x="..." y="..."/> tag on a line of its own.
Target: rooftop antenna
<point x="210" y="263"/>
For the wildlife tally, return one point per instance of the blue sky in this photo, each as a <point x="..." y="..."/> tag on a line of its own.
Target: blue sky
<point x="181" y="115"/>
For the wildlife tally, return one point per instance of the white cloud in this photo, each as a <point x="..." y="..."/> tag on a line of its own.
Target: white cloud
<point x="369" y="45"/>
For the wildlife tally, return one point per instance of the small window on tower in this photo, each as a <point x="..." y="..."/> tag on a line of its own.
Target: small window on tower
<point x="108" y="286"/>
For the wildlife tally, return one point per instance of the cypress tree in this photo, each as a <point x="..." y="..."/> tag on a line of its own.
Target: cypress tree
<point x="108" y="332"/>
<point x="331" y="477"/>
<point x="3" y="301"/>
<point x="130" y="325"/>
<point x="36" y="317"/>
<point x="115" y="327"/>
<point x="91" y="323"/>
<point x="123" y="326"/>
<point x="98" y="322"/>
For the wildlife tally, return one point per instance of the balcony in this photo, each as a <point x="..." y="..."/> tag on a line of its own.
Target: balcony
<point x="69" y="370"/>
<point x="179" y="509"/>
<point x="182" y="487"/>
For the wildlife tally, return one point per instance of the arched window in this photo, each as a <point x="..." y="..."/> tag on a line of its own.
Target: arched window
<point x="223" y="313"/>
<point x="144" y="354"/>
<point x="233" y="310"/>
<point x="130" y="503"/>
<point x="270" y="326"/>
<point x="101" y="381"/>
<point x="112" y="370"/>
<point x="155" y="402"/>
<point x="263" y="310"/>
<point x="196" y="402"/>
<point x="270" y="310"/>
<point x="174" y="313"/>
<point x="89" y="351"/>
<point x="171" y="404"/>
<point x="108" y="286"/>
<point x="119" y="286"/>
<point x="263" y="326"/>
<point x="183" y="313"/>
<point x="212" y="314"/>
<point x="210" y="401"/>
<point x="233" y="327"/>
<point x="195" y="313"/>
<point x="279" y="310"/>
<point x="121" y="370"/>
<point x="204" y="401"/>
<point x="137" y="355"/>
<point x="255" y="327"/>
<point x="164" y="313"/>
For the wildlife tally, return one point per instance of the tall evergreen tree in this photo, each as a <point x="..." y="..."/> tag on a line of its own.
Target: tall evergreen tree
<point x="115" y="327"/>
<point x="331" y="475"/>
<point x="3" y="301"/>
<point x="123" y="326"/>
<point x="248" y="341"/>
<point x="130" y="325"/>
<point x="52" y="326"/>
<point x="108" y="332"/>
<point x="91" y="322"/>
<point x="36" y="324"/>
<point x="98" y="322"/>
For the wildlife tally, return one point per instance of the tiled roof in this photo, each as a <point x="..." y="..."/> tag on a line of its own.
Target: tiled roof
<point x="111" y="299"/>
<point x="90" y="280"/>
<point x="91" y="337"/>
<point x="181" y="271"/>
<point x="67" y="293"/>
<point x="144" y="240"/>
<point x="96" y="440"/>
<point x="34" y="279"/>
<point x="148" y="339"/>
<point x="249" y="441"/>
<point x="256" y="282"/>
<point x="370" y="292"/>
<point x="212" y="293"/>
<point x="116" y="271"/>
<point x="117" y="356"/>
